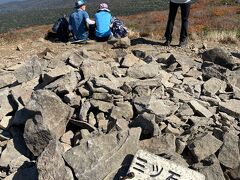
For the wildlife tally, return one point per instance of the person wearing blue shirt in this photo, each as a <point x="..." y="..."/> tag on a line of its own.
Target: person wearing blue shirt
<point x="78" y="21"/>
<point x="103" y="21"/>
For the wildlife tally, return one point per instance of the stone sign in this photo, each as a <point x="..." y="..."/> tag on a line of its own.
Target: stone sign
<point x="149" y="166"/>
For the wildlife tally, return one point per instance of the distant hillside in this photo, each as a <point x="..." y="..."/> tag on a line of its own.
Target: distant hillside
<point x="35" y="12"/>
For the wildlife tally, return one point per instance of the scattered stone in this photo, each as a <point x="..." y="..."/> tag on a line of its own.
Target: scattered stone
<point x="28" y="71"/>
<point x="50" y="163"/>
<point x="219" y="56"/>
<point x="65" y="84"/>
<point x="211" y="169"/>
<point x="204" y="146"/>
<point x="229" y="153"/>
<point x="6" y="79"/>
<point x="49" y="117"/>
<point x="129" y="60"/>
<point x="199" y="109"/>
<point x="92" y="68"/>
<point x="75" y="60"/>
<point x="143" y="71"/>
<point x="103" y="154"/>
<point x="148" y="124"/>
<point x="67" y="137"/>
<point x="121" y="43"/>
<point x="231" y="107"/>
<point x="9" y="154"/>
<point x="213" y="86"/>
<point x="160" y="144"/>
<point x="102" y="122"/>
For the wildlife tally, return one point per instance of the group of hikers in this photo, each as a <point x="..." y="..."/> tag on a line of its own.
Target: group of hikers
<point x="105" y="27"/>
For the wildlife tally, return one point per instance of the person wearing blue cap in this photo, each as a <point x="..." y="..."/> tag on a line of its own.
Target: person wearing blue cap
<point x="78" y="21"/>
<point x="103" y="21"/>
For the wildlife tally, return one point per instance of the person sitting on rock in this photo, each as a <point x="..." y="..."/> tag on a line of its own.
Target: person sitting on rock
<point x="103" y="21"/>
<point x="185" y="10"/>
<point x="78" y="21"/>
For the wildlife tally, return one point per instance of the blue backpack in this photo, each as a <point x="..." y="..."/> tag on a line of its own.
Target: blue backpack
<point x="118" y="29"/>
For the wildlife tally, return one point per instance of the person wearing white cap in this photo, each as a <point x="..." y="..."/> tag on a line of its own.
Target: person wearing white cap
<point x="78" y="21"/>
<point x="103" y="21"/>
<point x="185" y="10"/>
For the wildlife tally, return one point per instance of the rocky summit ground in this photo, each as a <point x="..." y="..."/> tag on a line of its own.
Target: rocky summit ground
<point x="71" y="111"/>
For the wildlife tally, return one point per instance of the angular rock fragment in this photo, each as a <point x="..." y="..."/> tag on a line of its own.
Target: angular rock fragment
<point x="214" y="85"/>
<point x="49" y="117"/>
<point x="9" y="154"/>
<point x="164" y="143"/>
<point x="101" y="155"/>
<point x="219" y="56"/>
<point x="148" y="124"/>
<point x="92" y="68"/>
<point x="204" y="146"/>
<point x="129" y="60"/>
<point x="50" y="163"/>
<point x="28" y="71"/>
<point x="199" y="109"/>
<point x="231" y="107"/>
<point x="229" y="153"/>
<point x="143" y="71"/>
<point x="65" y="84"/>
<point x="6" y="79"/>
<point x="210" y="168"/>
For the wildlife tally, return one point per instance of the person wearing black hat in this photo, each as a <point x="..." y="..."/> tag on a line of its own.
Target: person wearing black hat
<point x="78" y="21"/>
<point x="185" y="10"/>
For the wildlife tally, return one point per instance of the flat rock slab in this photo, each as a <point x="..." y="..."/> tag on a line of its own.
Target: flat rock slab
<point x="231" y="107"/>
<point x="205" y="146"/>
<point x="200" y="109"/>
<point x="149" y="166"/>
<point x="98" y="157"/>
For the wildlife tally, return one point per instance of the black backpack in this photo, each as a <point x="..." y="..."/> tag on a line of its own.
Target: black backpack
<point x="118" y="29"/>
<point x="61" y="28"/>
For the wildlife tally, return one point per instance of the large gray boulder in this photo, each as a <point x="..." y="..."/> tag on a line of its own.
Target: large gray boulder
<point x="143" y="71"/>
<point x="50" y="163"/>
<point x="229" y="153"/>
<point x="29" y="70"/>
<point x="65" y="84"/>
<point x="211" y="169"/>
<point x="204" y="146"/>
<point x="148" y="124"/>
<point x="164" y="143"/>
<point x="49" y="117"/>
<point x="231" y="107"/>
<point x="213" y="86"/>
<point x="91" y="68"/>
<point x="7" y="103"/>
<point x="99" y="156"/>
<point x="6" y="79"/>
<point x="220" y="57"/>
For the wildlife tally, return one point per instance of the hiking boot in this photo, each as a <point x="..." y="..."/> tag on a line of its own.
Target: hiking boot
<point x="183" y="43"/>
<point x="167" y="43"/>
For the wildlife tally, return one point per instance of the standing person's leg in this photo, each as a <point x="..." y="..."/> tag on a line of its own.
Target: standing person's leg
<point x="185" y="11"/>
<point x="173" y="7"/>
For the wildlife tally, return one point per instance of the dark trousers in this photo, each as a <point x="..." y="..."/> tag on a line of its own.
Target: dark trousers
<point x="185" y="10"/>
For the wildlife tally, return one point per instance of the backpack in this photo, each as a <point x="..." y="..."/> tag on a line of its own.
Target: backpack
<point x="118" y="29"/>
<point x="61" y="28"/>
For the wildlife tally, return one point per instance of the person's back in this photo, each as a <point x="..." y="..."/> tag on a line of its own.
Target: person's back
<point x="78" y="21"/>
<point x="103" y="20"/>
<point x="78" y="24"/>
